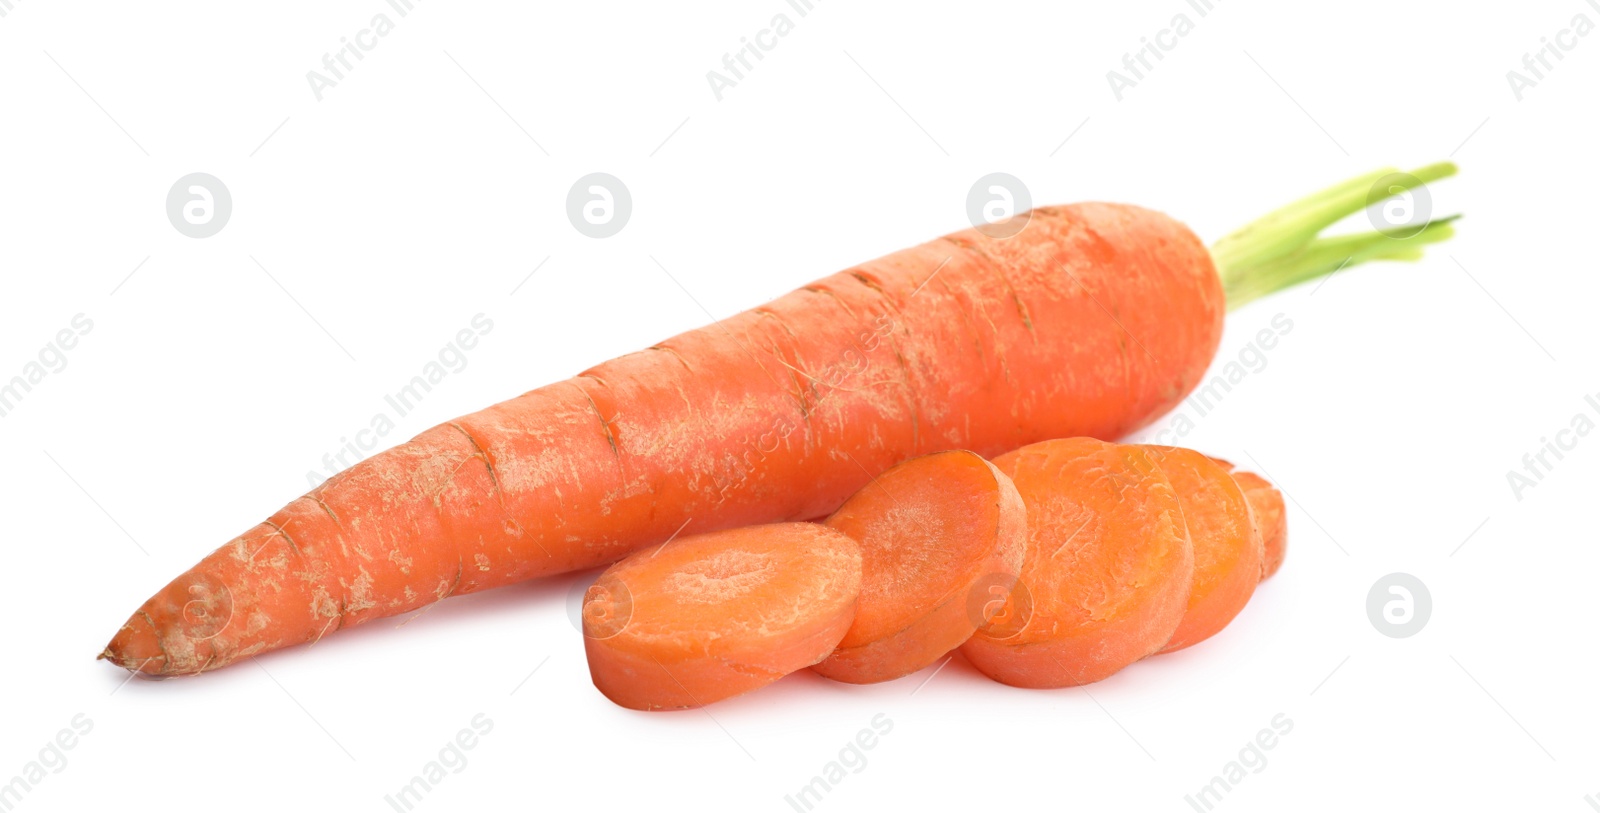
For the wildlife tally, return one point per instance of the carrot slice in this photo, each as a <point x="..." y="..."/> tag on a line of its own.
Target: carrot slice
<point x="707" y="617"/>
<point x="1107" y="574"/>
<point x="1266" y="510"/>
<point x="937" y="534"/>
<point x="1266" y="504"/>
<point x="1227" y="548"/>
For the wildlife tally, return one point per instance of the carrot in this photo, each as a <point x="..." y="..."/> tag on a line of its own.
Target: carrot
<point x="1267" y="514"/>
<point x="941" y="536"/>
<point x="1108" y="568"/>
<point x="715" y="615"/>
<point x="1227" y="547"/>
<point x="1271" y="523"/>
<point x="1092" y="320"/>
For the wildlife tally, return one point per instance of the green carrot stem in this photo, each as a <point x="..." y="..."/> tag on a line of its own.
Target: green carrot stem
<point x="1331" y="254"/>
<point x="1284" y="248"/>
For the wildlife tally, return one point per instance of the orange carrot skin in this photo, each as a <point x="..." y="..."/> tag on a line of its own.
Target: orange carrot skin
<point x="937" y="534"/>
<point x="1266" y="505"/>
<point x="1092" y="321"/>
<point x="711" y="616"/>
<point x="1108" y="571"/>
<point x="1227" y="546"/>
<point x="1267" y="513"/>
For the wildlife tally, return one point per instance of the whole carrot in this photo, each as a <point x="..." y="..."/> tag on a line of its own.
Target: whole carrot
<point x="1093" y="320"/>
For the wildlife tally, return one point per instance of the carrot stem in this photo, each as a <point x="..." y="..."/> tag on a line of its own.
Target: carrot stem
<point x="1284" y="248"/>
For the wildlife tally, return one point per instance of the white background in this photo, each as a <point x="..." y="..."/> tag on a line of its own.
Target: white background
<point x="370" y="226"/>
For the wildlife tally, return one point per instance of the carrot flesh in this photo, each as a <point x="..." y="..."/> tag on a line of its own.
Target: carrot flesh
<point x="1227" y="547"/>
<point x="1267" y="514"/>
<point x="1108" y="570"/>
<point x="715" y="615"/>
<point x="937" y="534"/>
<point x="1266" y="505"/>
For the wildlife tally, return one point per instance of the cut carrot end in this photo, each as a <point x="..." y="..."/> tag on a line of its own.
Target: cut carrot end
<point x="1266" y="505"/>
<point x="1227" y="548"/>
<point x="942" y="540"/>
<point x="1267" y="515"/>
<point x="708" y="617"/>
<point x="1107" y="575"/>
